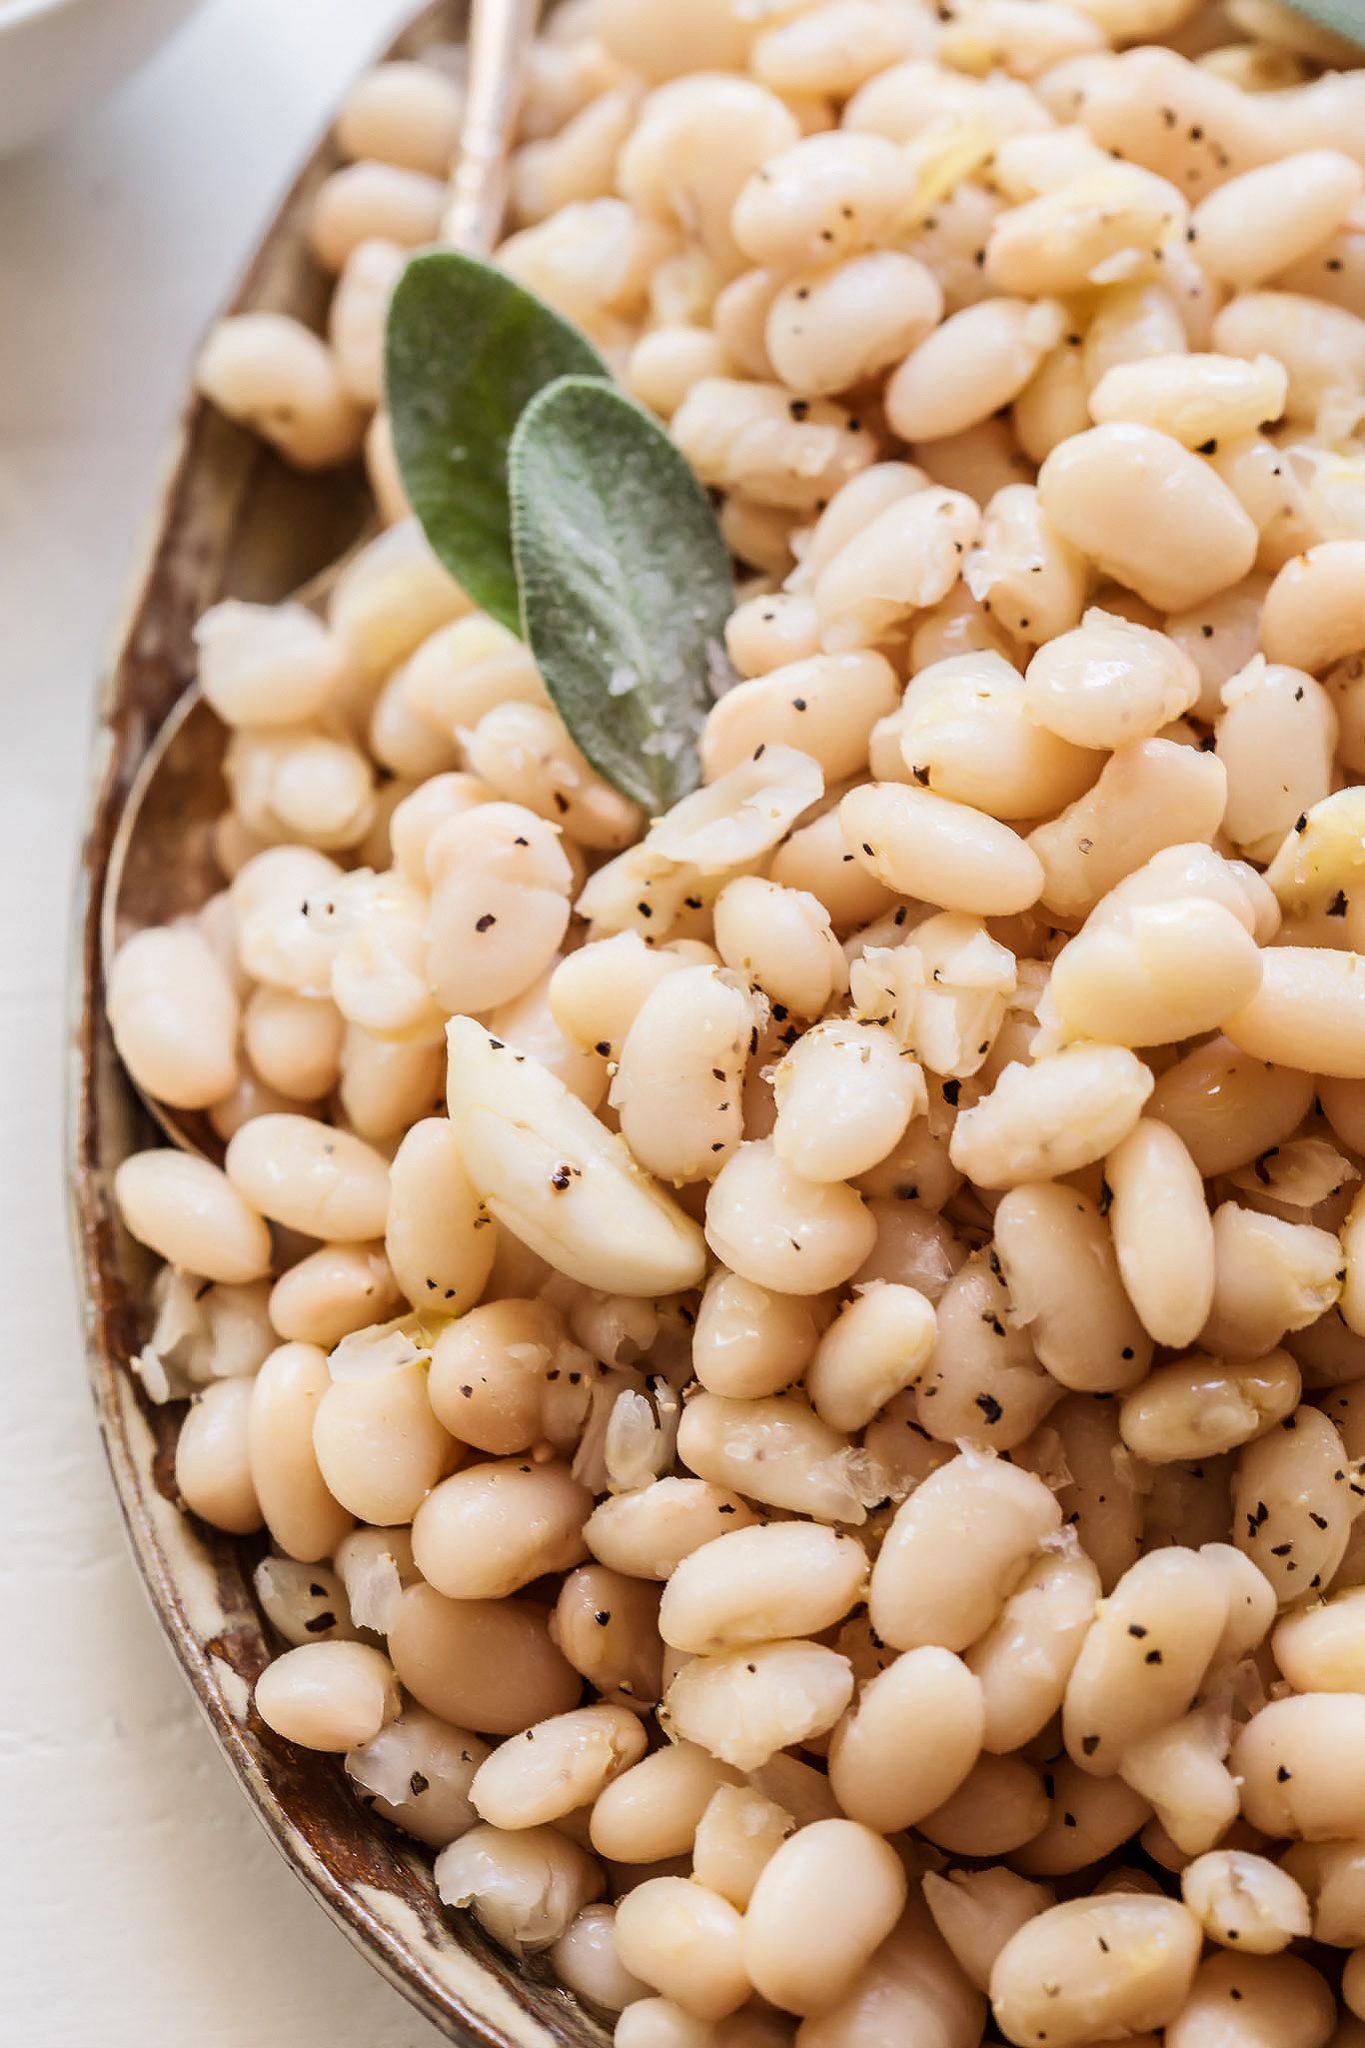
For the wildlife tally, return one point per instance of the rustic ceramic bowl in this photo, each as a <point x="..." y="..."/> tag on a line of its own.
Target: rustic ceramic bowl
<point x="235" y="522"/>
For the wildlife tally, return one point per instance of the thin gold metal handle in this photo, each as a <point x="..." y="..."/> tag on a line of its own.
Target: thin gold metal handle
<point x="500" y="32"/>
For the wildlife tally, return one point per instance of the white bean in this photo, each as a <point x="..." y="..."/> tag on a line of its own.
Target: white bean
<point x="191" y="1215"/>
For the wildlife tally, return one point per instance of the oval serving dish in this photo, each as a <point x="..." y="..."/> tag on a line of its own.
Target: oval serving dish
<point x="234" y="522"/>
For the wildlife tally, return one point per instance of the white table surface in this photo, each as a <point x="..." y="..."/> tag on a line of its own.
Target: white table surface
<point x="140" y="1901"/>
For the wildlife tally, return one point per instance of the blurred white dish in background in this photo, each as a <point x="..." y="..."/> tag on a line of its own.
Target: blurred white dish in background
<point x="57" y="57"/>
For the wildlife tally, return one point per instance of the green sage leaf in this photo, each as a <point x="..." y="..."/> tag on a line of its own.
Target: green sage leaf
<point x="465" y="348"/>
<point x="1344" y="17"/>
<point x="625" y="584"/>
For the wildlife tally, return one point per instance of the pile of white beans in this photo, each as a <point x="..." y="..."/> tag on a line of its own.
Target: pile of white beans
<point x="802" y="1362"/>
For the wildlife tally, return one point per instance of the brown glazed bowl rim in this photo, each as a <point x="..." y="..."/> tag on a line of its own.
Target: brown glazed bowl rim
<point x="231" y="520"/>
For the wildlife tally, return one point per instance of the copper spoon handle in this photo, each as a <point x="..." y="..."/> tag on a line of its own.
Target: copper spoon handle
<point x="499" y="36"/>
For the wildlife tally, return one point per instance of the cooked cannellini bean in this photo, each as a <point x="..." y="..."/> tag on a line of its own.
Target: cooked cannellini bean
<point x="212" y="1458"/>
<point x="652" y="1810"/>
<point x="331" y="1696"/>
<point x="806" y="1466"/>
<point x="1163" y="1234"/>
<point x="746" y="437"/>
<point x="1089" y="1819"/>
<point x="879" y="1343"/>
<point x="191" y="1215"/>
<point x="1276" y="739"/>
<point x="1024" y="1660"/>
<point x="370" y="200"/>
<point x="417" y="1772"/>
<point x="983" y="1384"/>
<point x="1154" y="974"/>
<point x="955" y="1551"/>
<point x="402" y="113"/>
<point x="826" y="196"/>
<point x="304" y="1603"/>
<point x="1321" y="346"/>
<point x="1287" y="2000"/>
<point x="1196" y="399"/>
<point x="1313" y="613"/>
<point x="268" y="371"/>
<point x="904" y="560"/>
<point x="1332" y="1874"/>
<point x="1291" y="1514"/>
<point x="524" y="1886"/>
<point x="646" y="1534"/>
<point x="1150" y="794"/>
<point x="680" y="1074"/>
<point x="608" y="1628"/>
<point x="375" y="1566"/>
<point x="296" y="1506"/>
<point x="946" y="853"/>
<point x="1180" y="1769"/>
<point x="1199" y="1406"/>
<point x="385" y="1409"/>
<point x="822" y="1905"/>
<point x="944" y="991"/>
<point x="1244" y="1902"/>
<point x="293" y="1042"/>
<point x="1181" y="535"/>
<point x="1269" y="1277"/>
<point x="783" y="941"/>
<point x="1063" y="1112"/>
<point x="762" y="1583"/>
<point x="979" y="359"/>
<point x="559" y="1765"/>
<point x="665" y="364"/>
<point x="976" y="1912"/>
<point x="314" y="1179"/>
<point x="965" y="730"/>
<point x="696" y="144"/>
<point x="174" y="1016"/>
<point x="1227" y="1106"/>
<point x="267" y="664"/>
<point x="439" y="1240"/>
<point x="686" y="1942"/>
<point x="524" y="752"/>
<point x="1080" y="1971"/>
<point x="748" y="1341"/>
<point x="558" y="1179"/>
<point x="883" y="1768"/>
<point x="826" y="705"/>
<point x="1149" y="1646"/>
<point x="494" y="1527"/>
<point x="486" y="1664"/>
<point x="828" y="330"/>
<point x="1257" y="224"/>
<point x="1322" y="1648"/>
<point x="1095" y="228"/>
<point x="499" y="906"/>
<point x="1109" y="681"/>
<point x="737" y="1835"/>
<point x="584" y="1959"/>
<point x="844" y="1094"/>
<point x="912" y="1985"/>
<point x="1057" y="1258"/>
<point x="1000" y="1805"/>
<point x="1033" y="579"/>
<point x="781" y="1230"/>
<point x="746" y="1705"/>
